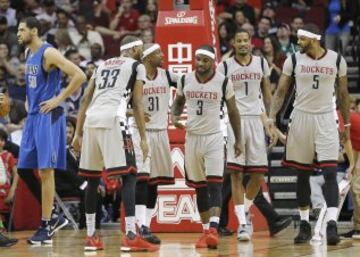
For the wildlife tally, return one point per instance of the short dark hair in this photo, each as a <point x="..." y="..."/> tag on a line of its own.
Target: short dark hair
<point x="266" y="18"/>
<point x="207" y="47"/>
<point x="3" y="135"/>
<point x="297" y="17"/>
<point x="32" y="23"/>
<point x="69" y="52"/>
<point x="128" y="39"/>
<point x="311" y="27"/>
<point x="241" y="30"/>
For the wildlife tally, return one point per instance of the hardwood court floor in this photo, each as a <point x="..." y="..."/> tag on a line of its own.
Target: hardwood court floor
<point x="68" y="243"/>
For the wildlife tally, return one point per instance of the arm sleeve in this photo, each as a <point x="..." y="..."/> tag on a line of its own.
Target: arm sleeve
<point x="140" y="72"/>
<point x="179" y="88"/>
<point x="266" y="68"/>
<point x="174" y="77"/>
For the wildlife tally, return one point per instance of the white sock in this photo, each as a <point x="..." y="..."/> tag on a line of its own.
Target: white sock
<point x="149" y="214"/>
<point x="130" y="224"/>
<point x="331" y="213"/>
<point x="304" y="215"/>
<point x="215" y="219"/>
<point x="90" y="224"/>
<point x="248" y="203"/>
<point x="205" y="226"/>
<point x="240" y="214"/>
<point x="140" y="214"/>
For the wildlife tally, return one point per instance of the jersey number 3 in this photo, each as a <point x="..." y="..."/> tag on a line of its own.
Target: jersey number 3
<point x="108" y="78"/>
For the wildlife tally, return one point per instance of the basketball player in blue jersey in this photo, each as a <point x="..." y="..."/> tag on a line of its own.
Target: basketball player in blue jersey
<point x="43" y="144"/>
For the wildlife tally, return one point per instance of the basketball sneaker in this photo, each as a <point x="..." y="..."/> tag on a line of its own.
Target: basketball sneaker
<point x="332" y="236"/>
<point x="7" y="242"/>
<point x="146" y="234"/>
<point x="57" y="223"/>
<point x="41" y="237"/>
<point x="212" y="238"/>
<point x="243" y="233"/>
<point x="304" y="235"/>
<point x="201" y="242"/>
<point x="134" y="243"/>
<point x="93" y="243"/>
<point x="249" y="225"/>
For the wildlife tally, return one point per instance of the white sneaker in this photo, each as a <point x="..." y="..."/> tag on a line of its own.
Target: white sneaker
<point x="249" y="225"/>
<point x="243" y="233"/>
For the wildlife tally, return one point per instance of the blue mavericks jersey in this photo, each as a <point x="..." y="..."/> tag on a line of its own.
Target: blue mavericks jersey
<point x="40" y="85"/>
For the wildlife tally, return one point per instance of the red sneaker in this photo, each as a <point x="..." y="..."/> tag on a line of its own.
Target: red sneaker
<point x="93" y="243"/>
<point x="212" y="238"/>
<point x="201" y="242"/>
<point x="137" y="244"/>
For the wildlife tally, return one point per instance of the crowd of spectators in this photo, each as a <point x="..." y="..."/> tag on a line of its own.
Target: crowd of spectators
<point x="89" y="31"/>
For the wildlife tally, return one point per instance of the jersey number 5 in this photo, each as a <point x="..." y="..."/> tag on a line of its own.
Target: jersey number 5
<point x="106" y="81"/>
<point x="316" y="82"/>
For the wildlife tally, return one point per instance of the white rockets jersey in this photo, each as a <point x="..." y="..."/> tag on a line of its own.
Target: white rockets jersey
<point x="247" y="82"/>
<point x="203" y="101"/>
<point x="114" y="82"/>
<point x="156" y="96"/>
<point x="315" y="81"/>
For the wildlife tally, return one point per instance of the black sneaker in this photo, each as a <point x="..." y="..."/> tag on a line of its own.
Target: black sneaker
<point x="332" y="236"/>
<point x="304" y="235"/>
<point x="146" y="234"/>
<point x="223" y="231"/>
<point x="347" y="235"/>
<point x="7" y="242"/>
<point x="356" y="234"/>
<point x="280" y="225"/>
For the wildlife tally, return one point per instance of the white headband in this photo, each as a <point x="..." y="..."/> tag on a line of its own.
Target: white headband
<point x="205" y="52"/>
<point x="131" y="45"/>
<point x="150" y="50"/>
<point x="308" y="34"/>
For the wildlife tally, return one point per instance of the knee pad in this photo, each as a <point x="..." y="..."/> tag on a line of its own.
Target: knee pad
<point x="202" y="199"/>
<point x="215" y="194"/>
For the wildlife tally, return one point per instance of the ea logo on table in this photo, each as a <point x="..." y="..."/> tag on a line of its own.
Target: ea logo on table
<point x="181" y="14"/>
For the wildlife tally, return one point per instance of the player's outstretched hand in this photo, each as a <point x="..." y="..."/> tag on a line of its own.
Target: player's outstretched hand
<point x="145" y="149"/>
<point x="237" y="149"/>
<point x="49" y="105"/>
<point x="76" y="143"/>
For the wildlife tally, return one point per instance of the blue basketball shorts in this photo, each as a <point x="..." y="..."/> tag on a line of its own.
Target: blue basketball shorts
<point x="43" y="143"/>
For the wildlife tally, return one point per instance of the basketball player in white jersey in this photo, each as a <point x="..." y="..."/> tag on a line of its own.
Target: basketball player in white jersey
<point x="204" y="91"/>
<point x="250" y="77"/>
<point x="313" y="129"/>
<point x="106" y="141"/>
<point x="157" y="169"/>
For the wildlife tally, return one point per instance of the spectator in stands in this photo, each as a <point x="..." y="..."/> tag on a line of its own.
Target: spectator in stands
<point x="152" y="10"/>
<point x="283" y="36"/>
<point x="147" y="36"/>
<point x="269" y="11"/>
<point x="301" y="5"/>
<point x="63" y="20"/>
<point x="10" y="64"/>
<point x="101" y="14"/>
<point x="226" y="36"/>
<point x="68" y="6"/>
<point x="242" y="5"/>
<point x="337" y="34"/>
<point x="89" y="69"/>
<point x="144" y="23"/>
<point x="7" y="188"/>
<point x="125" y="20"/>
<point x="296" y="24"/>
<point x="8" y="36"/>
<point x="96" y="56"/>
<point x="17" y="115"/>
<point x="262" y="31"/>
<point x="18" y="89"/>
<point x="32" y="7"/>
<point x="63" y="40"/>
<point x="83" y="38"/>
<point x="73" y="56"/>
<point x="274" y="56"/>
<point x="239" y="18"/>
<point x="48" y="12"/>
<point x="9" y="13"/>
